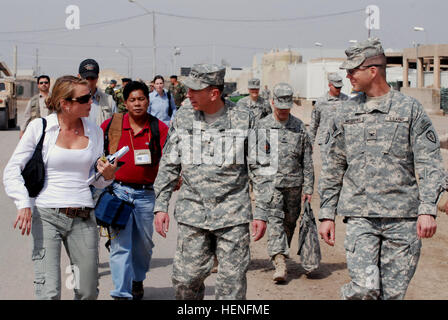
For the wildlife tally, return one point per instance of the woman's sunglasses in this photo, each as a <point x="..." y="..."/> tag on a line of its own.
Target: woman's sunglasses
<point x="82" y="99"/>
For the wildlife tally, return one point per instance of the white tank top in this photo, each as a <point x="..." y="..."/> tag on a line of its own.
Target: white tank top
<point x="66" y="178"/>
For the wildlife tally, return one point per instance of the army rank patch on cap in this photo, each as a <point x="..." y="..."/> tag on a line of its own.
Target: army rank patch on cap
<point x="431" y="136"/>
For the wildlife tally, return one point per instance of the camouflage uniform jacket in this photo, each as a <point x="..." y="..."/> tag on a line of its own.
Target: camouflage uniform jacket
<point x="374" y="157"/>
<point x="295" y="163"/>
<point x="119" y="99"/>
<point x="265" y="94"/>
<point x="109" y="91"/>
<point x="324" y="110"/>
<point x="212" y="196"/>
<point x="261" y="108"/>
<point x="179" y="93"/>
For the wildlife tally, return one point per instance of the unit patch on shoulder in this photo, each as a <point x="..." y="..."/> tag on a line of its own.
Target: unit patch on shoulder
<point x="431" y="136"/>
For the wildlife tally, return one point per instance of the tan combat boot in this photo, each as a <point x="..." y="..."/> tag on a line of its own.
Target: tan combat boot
<point x="280" y="268"/>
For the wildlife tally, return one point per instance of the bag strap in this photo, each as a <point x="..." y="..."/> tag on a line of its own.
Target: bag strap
<point x="154" y="143"/>
<point x="112" y="134"/>
<point x="170" y="110"/>
<point x="108" y="242"/>
<point x="42" y="137"/>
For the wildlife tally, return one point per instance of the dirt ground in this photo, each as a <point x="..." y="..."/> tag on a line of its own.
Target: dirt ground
<point x="429" y="283"/>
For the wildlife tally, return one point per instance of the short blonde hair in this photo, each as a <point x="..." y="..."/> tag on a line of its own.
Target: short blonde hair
<point x="63" y="89"/>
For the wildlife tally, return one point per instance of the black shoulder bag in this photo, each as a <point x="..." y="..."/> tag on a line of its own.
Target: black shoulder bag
<point x="34" y="171"/>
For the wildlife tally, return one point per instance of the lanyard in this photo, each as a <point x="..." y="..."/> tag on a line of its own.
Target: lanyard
<point x="131" y="137"/>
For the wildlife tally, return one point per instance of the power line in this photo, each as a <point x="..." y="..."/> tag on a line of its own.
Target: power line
<point x="84" y="25"/>
<point x="249" y="20"/>
<point x="78" y="45"/>
<point x="241" y="20"/>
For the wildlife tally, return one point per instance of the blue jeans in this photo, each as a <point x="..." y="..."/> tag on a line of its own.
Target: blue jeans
<point x="131" y="249"/>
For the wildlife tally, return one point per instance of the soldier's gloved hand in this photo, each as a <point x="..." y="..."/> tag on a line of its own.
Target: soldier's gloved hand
<point x="426" y="226"/>
<point x="162" y="223"/>
<point x="259" y="228"/>
<point x="327" y="231"/>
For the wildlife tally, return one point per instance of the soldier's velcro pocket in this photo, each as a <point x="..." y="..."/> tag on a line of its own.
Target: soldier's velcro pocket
<point x="414" y="255"/>
<point x="415" y="247"/>
<point x="350" y="243"/>
<point x="397" y="137"/>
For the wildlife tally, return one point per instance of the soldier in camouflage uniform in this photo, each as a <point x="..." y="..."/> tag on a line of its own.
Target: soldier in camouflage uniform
<point x="178" y="91"/>
<point x="110" y="90"/>
<point x="324" y="110"/>
<point x="118" y="96"/>
<point x="259" y="106"/>
<point x="213" y="208"/>
<point x="266" y="94"/>
<point x="295" y="175"/>
<point x="380" y="141"/>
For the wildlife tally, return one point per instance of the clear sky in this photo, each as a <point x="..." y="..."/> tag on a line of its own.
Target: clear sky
<point x="204" y="30"/>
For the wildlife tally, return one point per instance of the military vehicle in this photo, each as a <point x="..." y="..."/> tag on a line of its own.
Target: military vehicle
<point x="8" y="99"/>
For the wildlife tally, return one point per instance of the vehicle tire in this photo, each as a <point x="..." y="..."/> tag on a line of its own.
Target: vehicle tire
<point x="12" y="123"/>
<point x="3" y="119"/>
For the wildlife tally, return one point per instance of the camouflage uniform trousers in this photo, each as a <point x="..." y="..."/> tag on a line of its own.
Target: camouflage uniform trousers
<point x="193" y="262"/>
<point x="323" y="148"/>
<point x="282" y="223"/>
<point x="382" y="256"/>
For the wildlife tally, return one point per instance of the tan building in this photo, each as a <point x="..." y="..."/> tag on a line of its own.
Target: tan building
<point x="428" y="62"/>
<point x="106" y="75"/>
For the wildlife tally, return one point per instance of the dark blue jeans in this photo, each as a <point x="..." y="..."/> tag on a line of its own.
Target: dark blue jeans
<point x="131" y="249"/>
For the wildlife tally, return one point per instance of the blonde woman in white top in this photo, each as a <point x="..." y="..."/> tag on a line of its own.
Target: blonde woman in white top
<point x="62" y="212"/>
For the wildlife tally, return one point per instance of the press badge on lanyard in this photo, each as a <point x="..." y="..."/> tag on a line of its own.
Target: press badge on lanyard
<point x="141" y="156"/>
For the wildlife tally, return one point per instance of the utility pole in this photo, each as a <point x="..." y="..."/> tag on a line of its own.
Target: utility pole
<point x="37" y="62"/>
<point x="15" y="61"/>
<point x="370" y="26"/>
<point x="154" y="62"/>
<point x="153" y="44"/>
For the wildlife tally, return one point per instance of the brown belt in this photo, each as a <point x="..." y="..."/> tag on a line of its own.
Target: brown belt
<point x="75" y="212"/>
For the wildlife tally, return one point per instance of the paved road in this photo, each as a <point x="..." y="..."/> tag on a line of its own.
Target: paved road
<point x="16" y="269"/>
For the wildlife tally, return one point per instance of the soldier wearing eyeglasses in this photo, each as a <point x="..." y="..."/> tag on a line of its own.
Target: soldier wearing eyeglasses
<point x="384" y="175"/>
<point x="36" y="107"/>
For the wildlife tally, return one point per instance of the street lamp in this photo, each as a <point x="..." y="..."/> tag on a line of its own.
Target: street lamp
<point x="421" y="29"/>
<point x="175" y="54"/>
<point x="153" y="35"/>
<point x="132" y="58"/>
<point x="320" y="45"/>
<point x="122" y="53"/>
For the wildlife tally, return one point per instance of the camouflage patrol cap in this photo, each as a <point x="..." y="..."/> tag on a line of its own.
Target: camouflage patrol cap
<point x="282" y="95"/>
<point x="335" y="80"/>
<point x="253" y="83"/>
<point x="113" y="81"/>
<point x="203" y="75"/>
<point x="359" y="52"/>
